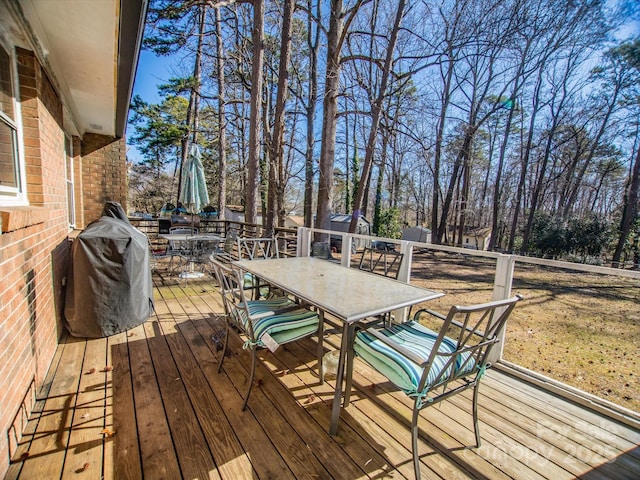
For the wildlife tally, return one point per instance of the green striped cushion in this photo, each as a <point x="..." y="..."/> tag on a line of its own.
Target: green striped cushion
<point x="401" y="371"/>
<point x="263" y="308"/>
<point x="286" y="326"/>
<point x="283" y="326"/>
<point x="250" y="281"/>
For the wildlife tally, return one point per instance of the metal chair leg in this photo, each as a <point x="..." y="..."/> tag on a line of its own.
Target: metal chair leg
<point x="253" y="371"/>
<point x="414" y="440"/>
<point x="224" y="347"/>
<point x="350" y="358"/>
<point x="476" y="425"/>
<point x="320" y="347"/>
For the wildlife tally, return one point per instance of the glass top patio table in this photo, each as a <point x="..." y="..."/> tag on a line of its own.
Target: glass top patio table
<point x="192" y="237"/>
<point x="192" y="254"/>
<point x="346" y="293"/>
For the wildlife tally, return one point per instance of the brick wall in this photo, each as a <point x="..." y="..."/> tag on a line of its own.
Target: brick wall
<point x="35" y="245"/>
<point x="104" y="173"/>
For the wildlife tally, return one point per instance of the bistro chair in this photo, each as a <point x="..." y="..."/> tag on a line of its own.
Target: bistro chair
<point x="265" y="323"/>
<point x="430" y="366"/>
<point x="180" y="248"/>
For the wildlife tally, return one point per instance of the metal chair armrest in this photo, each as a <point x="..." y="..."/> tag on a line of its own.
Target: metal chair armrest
<point x="430" y="312"/>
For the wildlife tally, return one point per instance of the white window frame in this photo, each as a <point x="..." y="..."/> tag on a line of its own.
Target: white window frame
<point x="15" y="195"/>
<point x="70" y="182"/>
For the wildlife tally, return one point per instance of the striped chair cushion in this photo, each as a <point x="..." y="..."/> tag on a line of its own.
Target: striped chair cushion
<point x="287" y="326"/>
<point x="275" y="317"/>
<point x="260" y="308"/>
<point x="403" y="372"/>
<point x="250" y="281"/>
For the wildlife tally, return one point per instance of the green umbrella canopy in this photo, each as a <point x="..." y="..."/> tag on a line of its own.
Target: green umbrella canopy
<point x="193" y="187"/>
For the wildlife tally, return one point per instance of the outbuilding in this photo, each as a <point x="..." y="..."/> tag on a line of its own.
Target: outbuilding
<point x="417" y="234"/>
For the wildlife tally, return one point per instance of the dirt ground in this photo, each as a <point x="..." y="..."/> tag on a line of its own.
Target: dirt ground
<point x="581" y="329"/>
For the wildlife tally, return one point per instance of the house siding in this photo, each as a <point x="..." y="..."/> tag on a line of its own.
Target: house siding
<point x="35" y="245"/>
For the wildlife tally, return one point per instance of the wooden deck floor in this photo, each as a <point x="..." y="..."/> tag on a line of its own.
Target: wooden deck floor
<point x="148" y="403"/>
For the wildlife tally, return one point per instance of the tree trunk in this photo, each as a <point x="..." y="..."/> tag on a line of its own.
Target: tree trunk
<point x="437" y="160"/>
<point x="329" y="119"/>
<point x="311" y="113"/>
<point x="276" y="151"/>
<point x="630" y="209"/>
<point x="222" y="123"/>
<point x="194" y="100"/>
<point x="257" y="35"/>
<point x="525" y="162"/>
<point x="376" y="111"/>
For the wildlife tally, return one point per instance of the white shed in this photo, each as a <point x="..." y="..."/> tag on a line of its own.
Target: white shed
<point x="417" y="234"/>
<point x="235" y="213"/>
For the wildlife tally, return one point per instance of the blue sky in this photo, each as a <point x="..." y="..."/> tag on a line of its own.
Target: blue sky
<point x="152" y="71"/>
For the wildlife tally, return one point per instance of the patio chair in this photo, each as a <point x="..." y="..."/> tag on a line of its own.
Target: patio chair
<point x="156" y="253"/>
<point x="382" y="262"/>
<point x="431" y="366"/>
<point x="257" y="248"/>
<point x="252" y="248"/>
<point x="226" y="254"/>
<point x="180" y="248"/>
<point x="265" y="323"/>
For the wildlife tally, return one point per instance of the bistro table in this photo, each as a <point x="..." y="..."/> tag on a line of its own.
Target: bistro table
<point x="192" y="252"/>
<point x="348" y="294"/>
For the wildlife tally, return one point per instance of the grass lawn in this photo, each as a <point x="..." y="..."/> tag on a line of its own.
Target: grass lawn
<point x="579" y="328"/>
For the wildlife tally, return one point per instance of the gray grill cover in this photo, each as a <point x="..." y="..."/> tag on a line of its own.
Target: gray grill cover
<point x="109" y="286"/>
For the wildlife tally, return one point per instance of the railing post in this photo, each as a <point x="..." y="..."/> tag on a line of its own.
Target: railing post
<point x="347" y="241"/>
<point x="504" y="277"/>
<point x="404" y="275"/>
<point x="303" y="243"/>
<point x="502" y="290"/>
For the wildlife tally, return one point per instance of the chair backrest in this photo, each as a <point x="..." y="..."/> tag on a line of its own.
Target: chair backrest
<point x="257" y="248"/>
<point x="381" y="262"/>
<point x="227" y="253"/>
<point x="469" y="333"/>
<point x="233" y="297"/>
<point x="321" y="250"/>
<point x="229" y="242"/>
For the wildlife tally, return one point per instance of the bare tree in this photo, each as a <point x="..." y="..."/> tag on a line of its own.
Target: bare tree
<point x="335" y="38"/>
<point x="376" y="111"/>
<point x="630" y="54"/>
<point x="277" y="175"/>
<point x="313" y="40"/>
<point x="222" y="121"/>
<point x="253" y="161"/>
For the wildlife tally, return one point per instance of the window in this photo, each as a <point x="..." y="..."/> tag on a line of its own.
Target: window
<point x="11" y="169"/>
<point x="71" y="204"/>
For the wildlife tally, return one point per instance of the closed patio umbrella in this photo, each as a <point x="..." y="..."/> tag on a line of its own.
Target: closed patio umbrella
<point x="193" y="191"/>
<point x="193" y="187"/>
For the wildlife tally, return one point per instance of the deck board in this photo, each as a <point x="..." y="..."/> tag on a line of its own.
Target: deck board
<point x="173" y="416"/>
<point x="127" y="461"/>
<point x="48" y="448"/>
<point x="86" y="442"/>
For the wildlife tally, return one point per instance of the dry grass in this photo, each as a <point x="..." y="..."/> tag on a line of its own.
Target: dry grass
<point x="581" y="329"/>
